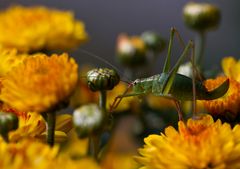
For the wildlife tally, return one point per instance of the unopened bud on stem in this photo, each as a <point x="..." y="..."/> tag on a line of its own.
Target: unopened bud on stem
<point x="201" y="16"/>
<point x="8" y="122"/>
<point x="88" y="119"/>
<point x="153" y="41"/>
<point x="102" y="79"/>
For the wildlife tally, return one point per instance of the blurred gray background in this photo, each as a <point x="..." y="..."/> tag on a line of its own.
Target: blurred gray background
<point x="105" y="19"/>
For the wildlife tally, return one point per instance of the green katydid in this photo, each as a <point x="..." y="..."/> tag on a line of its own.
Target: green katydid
<point x="170" y="84"/>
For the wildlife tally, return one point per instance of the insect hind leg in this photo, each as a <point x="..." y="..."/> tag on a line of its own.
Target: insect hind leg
<point x="177" y="105"/>
<point x="179" y="109"/>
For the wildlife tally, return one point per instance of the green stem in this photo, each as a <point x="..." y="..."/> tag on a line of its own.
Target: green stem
<point x="91" y="149"/>
<point x="200" y="45"/>
<point x="103" y="100"/>
<point x="51" y="120"/>
<point x="93" y="146"/>
<point x="94" y="140"/>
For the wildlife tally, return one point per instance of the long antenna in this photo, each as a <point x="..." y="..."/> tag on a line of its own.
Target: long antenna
<point x="180" y="39"/>
<point x="104" y="61"/>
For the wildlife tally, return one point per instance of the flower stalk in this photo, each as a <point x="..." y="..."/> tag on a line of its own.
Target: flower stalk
<point x="103" y="100"/>
<point x="94" y="140"/>
<point x="201" y="17"/>
<point x="101" y="80"/>
<point x="199" y="52"/>
<point x="51" y="121"/>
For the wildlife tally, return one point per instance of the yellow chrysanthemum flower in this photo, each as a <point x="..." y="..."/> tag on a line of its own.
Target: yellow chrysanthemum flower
<point x="26" y="154"/>
<point x="231" y="68"/>
<point x="75" y="147"/>
<point x="117" y="160"/>
<point x="227" y="106"/>
<point x="111" y="159"/>
<point x="64" y="162"/>
<point x="32" y="125"/>
<point x="40" y="83"/>
<point x="9" y="59"/>
<point x="198" y="144"/>
<point x="40" y="28"/>
<point x="29" y="154"/>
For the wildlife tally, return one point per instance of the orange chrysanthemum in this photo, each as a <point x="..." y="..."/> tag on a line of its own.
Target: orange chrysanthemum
<point x="40" y="83"/>
<point x="227" y="106"/>
<point x="199" y="144"/>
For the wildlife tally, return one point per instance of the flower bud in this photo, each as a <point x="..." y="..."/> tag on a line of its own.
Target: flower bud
<point x="8" y="122"/>
<point x="185" y="69"/>
<point x="102" y="79"/>
<point x="201" y="16"/>
<point x="87" y="119"/>
<point x="153" y="41"/>
<point x="131" y="51"/>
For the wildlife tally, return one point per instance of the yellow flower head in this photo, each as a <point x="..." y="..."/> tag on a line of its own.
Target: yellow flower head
<point x="26" y="154"/>
<point x="9" y="59"/>
<point x="227" y="106"/>
<point x="231" y="68"/>
<point x="32" y="125"/>
<point x="40" y="28"/>
<point x="117" y="160"/>
<point x="29" y="154"/>
<point x="40" y="83"/>
<point x="64" y="162"/>
<point x="198" y="144"/>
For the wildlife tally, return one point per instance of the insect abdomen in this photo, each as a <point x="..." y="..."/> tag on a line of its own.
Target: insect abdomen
<point x="182" y="89"/>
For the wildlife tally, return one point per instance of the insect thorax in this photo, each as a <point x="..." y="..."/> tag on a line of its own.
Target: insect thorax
<point x="145" y="85"/>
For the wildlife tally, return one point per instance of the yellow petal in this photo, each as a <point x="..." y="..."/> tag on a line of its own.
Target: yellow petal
<point x="227" y="63"/>
<point x="64" y="123"/>
<point x="59" y="136"/>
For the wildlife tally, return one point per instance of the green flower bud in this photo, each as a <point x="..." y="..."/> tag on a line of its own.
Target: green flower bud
<point x="8" y="122"/>
<point x="102" y="79"/>
<point x="201" y="16"/>
<point x="88" y="119"/>
<point x="153" y="41"/>
<point x="131" y="51"/>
